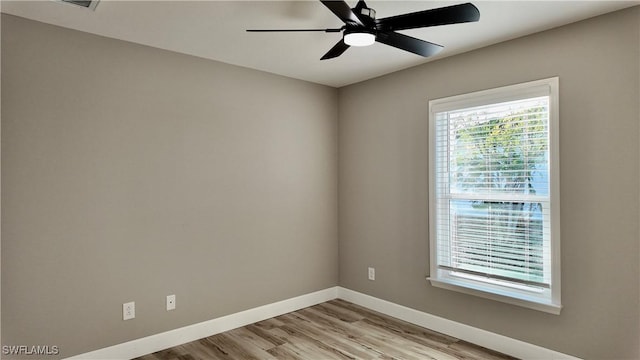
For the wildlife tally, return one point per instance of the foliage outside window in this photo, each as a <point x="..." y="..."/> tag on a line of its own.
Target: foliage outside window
<point x="494" y="194"/>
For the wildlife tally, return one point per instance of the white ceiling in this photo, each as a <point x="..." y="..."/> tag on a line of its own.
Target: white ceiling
<point x="216" y="30"/>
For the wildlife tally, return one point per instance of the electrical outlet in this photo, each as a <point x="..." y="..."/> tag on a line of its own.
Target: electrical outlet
<point x="171" y="302"/>
<point x="372" y="273"/>
<point x="128" y="310"/>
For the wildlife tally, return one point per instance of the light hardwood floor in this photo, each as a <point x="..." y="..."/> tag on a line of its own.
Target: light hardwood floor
<point x="332" y="330"/>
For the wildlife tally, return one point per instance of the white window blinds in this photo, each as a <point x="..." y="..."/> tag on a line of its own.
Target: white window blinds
<point x="492" y="190"/>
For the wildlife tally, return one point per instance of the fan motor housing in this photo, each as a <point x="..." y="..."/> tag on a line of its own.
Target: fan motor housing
<point x="370" y="13"/>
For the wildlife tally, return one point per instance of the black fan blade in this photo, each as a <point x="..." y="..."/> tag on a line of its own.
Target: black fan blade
<point x="293" y="30"/>
<point x="342" y="10"/>
<point x="441" y="16"/>
<point x="408" y="43"/>
<point x="336" y="50"/>
<point x="361" y="5"/>
<point x="363" y="16"/>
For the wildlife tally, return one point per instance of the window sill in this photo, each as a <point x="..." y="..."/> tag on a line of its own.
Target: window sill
<point x="524" y="301"/>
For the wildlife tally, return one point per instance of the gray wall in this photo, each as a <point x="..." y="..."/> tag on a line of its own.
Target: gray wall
<point x="131" y="173"/>
<point x="383" y="183"/>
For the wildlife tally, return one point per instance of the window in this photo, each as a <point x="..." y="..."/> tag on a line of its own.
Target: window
<point x="494" y="204"/>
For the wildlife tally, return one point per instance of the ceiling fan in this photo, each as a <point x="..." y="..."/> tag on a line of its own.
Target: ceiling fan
<point x="361" y="28"/>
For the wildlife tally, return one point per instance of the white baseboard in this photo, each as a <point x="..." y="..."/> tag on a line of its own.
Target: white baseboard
<point x="153" y="343"/>
<point x="503" y="344"/>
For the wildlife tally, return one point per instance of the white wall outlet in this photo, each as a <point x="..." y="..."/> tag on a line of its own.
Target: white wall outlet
<point x="128" y="310"/>
<point x="171" y="302"/>
<point x="372" y="273"/>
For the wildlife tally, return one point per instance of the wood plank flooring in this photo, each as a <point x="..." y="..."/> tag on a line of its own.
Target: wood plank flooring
<point x="335" y="329"/>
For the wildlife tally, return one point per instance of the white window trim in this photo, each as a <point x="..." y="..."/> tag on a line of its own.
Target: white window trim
<point x="549" y="87"/>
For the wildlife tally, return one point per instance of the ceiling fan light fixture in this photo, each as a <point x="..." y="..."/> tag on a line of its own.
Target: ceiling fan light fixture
<point x="359" y="38"/>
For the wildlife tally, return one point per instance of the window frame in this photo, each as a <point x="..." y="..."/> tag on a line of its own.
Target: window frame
<point x="549" y="302"/>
